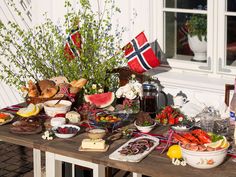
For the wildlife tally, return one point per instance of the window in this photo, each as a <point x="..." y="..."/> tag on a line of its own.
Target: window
<point x="216" y="54"/>
<point x="227" y="36"/>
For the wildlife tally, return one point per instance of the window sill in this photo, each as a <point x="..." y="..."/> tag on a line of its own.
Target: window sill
<point x="191" y="80"/>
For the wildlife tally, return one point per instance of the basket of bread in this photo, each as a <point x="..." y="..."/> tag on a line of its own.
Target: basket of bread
<point x="52" y="89"/>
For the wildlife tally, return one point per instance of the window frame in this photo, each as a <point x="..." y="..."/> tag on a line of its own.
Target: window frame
<point x="215" y="50"/>
<point x="222" y="28"/>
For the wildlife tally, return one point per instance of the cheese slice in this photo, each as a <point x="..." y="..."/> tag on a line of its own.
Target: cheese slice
<point x="93" y="144"/>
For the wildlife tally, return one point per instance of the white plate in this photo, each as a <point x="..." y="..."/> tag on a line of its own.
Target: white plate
<point x="9" y="120"/>
<point x="133" y="158"/>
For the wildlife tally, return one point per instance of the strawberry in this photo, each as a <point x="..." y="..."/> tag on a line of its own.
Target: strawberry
<point x="171" y="120"/>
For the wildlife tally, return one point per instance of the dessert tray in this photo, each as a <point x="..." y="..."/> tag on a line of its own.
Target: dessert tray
<point x="148" y="142"/>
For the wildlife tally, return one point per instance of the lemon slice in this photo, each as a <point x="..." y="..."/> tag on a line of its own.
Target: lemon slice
<point x="224" y="143"/>
<point x="27" y="112"/>
<point x="215" y="144"/>
<point x="37" y="110"/>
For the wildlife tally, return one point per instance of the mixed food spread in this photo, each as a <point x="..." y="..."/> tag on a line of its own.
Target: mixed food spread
<point x="58" y="117"/>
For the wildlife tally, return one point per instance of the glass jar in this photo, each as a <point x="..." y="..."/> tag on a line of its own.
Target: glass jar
<point x="149" y="98"/>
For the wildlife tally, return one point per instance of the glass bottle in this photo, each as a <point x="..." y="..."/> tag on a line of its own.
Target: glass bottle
<point x="232" y="106"/>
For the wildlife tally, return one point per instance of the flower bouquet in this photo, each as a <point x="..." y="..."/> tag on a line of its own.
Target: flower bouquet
<point x="131" y="92"/>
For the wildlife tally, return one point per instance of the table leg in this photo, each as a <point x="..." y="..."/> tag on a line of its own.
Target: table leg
<point x="137" y="175"/>
<point x="54" y="161"/>
<point x="50" y="164"/>
<point x="98" y="170"/>
<point x="37" y="162"/>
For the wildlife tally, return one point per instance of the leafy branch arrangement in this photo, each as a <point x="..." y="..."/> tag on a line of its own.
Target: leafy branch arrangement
<point x="38" y="53"/>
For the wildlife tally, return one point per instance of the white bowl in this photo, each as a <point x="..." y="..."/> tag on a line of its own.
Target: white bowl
<point x="61" y="108"/>
<point x="180" y="128"/>
<point x="145" y="129"/>
<point x="65" y="135"/>
<point x="204" y="159"/>
<point x="57" y="121"/>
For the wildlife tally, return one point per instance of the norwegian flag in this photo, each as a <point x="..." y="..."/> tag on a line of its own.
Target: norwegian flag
<point x="73" y="45"/>
<point x="140" y="54"/>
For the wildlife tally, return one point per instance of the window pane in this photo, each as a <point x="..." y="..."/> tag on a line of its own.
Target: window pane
<point x="179" y="45"/>
<point x="231" y="41"/>
<point x="231" y="5"/>
<point x="186" y="4"/>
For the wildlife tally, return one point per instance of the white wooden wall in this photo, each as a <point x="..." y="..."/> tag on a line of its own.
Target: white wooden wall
<point x="9" y="95"/>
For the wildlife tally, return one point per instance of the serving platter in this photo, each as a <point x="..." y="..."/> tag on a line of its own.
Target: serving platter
<point x="116" y="155"/>
<point x="8" y="120"/>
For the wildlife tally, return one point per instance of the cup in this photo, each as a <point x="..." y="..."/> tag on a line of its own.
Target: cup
<point x="221" y="126"/>
<point x="179" y="101"/>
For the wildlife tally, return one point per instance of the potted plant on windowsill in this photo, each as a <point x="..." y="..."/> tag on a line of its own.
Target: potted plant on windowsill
<point x="197" y="32"/>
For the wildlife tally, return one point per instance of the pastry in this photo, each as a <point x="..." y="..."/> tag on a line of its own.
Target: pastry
<point x="33" y="93"/>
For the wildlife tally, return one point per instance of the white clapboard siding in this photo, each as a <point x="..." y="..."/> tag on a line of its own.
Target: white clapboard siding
<point x="9" y="95"/>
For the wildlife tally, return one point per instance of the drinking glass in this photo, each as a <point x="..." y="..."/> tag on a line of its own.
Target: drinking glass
<point x="221" y="126"/>
<point x="207" y="123"/>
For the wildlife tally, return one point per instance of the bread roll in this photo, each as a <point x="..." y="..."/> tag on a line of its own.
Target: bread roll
<point x="59" y="80"/>
<point x="79" y="83"/>
<point x="45" y="84"/>
<point x="49" y="92"/>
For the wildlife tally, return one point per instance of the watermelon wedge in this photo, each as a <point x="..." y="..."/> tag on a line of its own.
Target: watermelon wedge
<point x="101" y="100"/>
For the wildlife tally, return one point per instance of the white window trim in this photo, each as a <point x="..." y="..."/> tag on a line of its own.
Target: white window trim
<point x="222" y="27"/>
<point x="185" y="74"/>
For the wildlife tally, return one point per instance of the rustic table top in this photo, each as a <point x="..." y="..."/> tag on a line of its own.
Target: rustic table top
<point x="155" y="164"/>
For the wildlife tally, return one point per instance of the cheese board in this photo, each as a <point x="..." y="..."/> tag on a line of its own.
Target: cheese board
<point x="135" y="149"/>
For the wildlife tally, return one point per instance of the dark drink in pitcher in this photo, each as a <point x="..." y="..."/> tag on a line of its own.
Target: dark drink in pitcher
<point x="149" y="104"/>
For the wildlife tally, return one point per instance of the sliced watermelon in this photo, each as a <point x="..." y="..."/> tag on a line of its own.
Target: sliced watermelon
<point x="101" y="100"/>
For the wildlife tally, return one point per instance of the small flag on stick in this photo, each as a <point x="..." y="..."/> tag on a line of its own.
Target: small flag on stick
<point x="73" y="45"/>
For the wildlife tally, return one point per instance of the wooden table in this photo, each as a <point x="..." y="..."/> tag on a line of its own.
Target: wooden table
<point x="67" y="149"/>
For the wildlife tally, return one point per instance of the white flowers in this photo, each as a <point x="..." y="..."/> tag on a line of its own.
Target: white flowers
<point x="130" y="90"/>
<point x="94" y="86"/>
<point x="47" y="135"/>
<point x="178" y="162"/>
